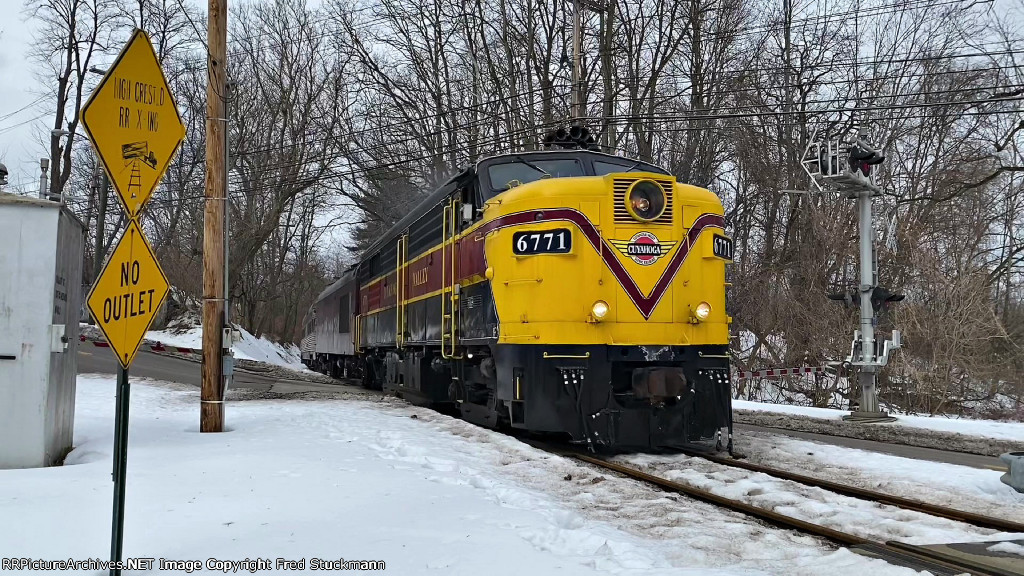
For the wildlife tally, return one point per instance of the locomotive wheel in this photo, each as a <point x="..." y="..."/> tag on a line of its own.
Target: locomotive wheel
<point x="370" y="378"/>
<point x="456" y="392"/>
<point x="486" y="415"/>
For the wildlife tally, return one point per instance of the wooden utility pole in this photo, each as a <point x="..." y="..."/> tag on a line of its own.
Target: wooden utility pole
<point x="211" y="416"/>
<point x="577" y="73"/>
<point x="608" y="104"/>
<point x="101" y="219"/>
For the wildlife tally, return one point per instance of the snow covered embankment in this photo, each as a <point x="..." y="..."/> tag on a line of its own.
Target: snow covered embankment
<point x="248" y="348"/>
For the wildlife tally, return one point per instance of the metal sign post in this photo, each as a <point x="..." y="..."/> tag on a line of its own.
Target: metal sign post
<point x="120" y="467"/>
<point x="135" y="129"/>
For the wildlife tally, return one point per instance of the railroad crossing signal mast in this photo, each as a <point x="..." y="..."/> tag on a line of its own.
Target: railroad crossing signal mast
<point x="846" y="166"/>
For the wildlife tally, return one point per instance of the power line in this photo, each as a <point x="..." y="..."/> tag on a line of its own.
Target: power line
<point x="23" y="108"/>
<point x="831" y="101"/>
<point x="387" y="18"/>
<point x="22" y="123"/>
<point x="689" y="117"/>
<point x="720" y="127"/>
<point x="336" y="174"/>
<point x="406" y="122"/>
<point x="619" y="118"/>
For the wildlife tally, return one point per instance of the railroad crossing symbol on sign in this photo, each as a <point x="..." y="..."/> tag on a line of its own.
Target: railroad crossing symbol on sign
<point x="133" y="123"/>
<point x="128" y="293"/>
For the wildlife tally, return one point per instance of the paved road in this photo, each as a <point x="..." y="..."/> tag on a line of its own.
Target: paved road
<point x="973" y="460"/>
<point x="96" y="360"/>
<point x="175" y="369"/>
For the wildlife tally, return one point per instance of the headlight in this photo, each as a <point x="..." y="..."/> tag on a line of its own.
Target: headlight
<point x="645" y="200"/>
<point x="702" y="311"/>
<point x="599" y="310"/>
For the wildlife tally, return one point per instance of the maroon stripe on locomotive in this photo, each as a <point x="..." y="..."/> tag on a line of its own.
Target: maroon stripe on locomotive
<point x="425" y="275"/>
<point x="645" y="303"/>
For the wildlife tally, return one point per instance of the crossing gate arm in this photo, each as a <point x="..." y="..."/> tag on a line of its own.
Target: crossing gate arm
<point x="779" y="372"/>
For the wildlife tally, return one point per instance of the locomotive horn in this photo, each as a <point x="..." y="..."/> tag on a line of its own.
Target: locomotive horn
<point x="575" y="132"/>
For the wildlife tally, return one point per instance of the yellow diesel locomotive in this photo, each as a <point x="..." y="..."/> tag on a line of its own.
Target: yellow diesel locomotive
<point x="564" y="291"/>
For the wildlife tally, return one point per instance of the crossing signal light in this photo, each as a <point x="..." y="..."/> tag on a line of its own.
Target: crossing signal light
<point x="862" y="158"/>
<point x="882" y="298"/>
<point x="828" y="164"/>
<point x="849" y="298"/>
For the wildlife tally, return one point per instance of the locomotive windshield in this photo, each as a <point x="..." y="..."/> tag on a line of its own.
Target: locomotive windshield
<point x="602" y="168"/>
<point x="502" y="173"/>
<point x="521" y="171"/>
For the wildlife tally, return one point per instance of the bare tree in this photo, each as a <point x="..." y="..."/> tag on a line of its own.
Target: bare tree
<point x="71" y="34"/>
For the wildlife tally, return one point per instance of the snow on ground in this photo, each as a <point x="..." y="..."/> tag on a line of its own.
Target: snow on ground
<point x="1008" y="547"/>
<point x="960" y="487"/>
<point x="357" y="479"/>
<point x="988" y="428"/>
<point x="249" y="348"/>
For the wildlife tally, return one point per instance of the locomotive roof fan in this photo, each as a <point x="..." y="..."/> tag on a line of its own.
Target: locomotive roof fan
<point x="575" y="138"/>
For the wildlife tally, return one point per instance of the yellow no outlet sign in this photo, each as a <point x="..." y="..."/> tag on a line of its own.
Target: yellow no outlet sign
<point x="128" y="293"/>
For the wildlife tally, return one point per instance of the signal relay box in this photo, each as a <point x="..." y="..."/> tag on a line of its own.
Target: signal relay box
<point x="40" y="310"/>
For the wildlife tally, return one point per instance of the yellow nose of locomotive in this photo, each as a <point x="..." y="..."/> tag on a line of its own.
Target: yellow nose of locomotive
<point x="628" y="258"/>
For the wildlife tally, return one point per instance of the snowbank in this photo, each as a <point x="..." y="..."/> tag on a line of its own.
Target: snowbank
<point x="249" y="348"/>
<point x="1013" y="431"/>
<point x="360" y="480"/>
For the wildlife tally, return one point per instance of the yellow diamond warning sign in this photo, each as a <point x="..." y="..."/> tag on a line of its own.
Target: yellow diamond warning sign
<point x="133" y="123"/>
<point x="128" y="293"/>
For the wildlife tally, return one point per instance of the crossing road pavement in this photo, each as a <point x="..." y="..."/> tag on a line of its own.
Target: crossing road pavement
<point x="95" y="360"/>
<point x="961" y="458"/>
<point x="175" y="369"/>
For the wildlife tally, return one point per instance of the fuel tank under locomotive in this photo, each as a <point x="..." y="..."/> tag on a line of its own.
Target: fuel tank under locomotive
<point x="626" y="397"/>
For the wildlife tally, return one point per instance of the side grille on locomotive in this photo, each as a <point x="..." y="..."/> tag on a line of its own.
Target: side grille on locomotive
<point x="620" y="185"/>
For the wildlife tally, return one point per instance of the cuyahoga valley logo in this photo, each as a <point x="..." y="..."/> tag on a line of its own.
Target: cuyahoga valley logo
<point x="644" y="248"/>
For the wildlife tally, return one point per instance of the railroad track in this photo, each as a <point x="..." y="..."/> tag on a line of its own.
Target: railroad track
<point x="938" y="562"/>
<point x="978" y="520"/>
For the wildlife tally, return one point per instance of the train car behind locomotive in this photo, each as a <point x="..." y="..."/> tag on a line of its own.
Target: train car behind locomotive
<point x="327" y="344"/>
<point x="563" y="291"/>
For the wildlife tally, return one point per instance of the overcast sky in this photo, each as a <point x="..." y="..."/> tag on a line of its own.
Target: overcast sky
<point x="23" y="118"/>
